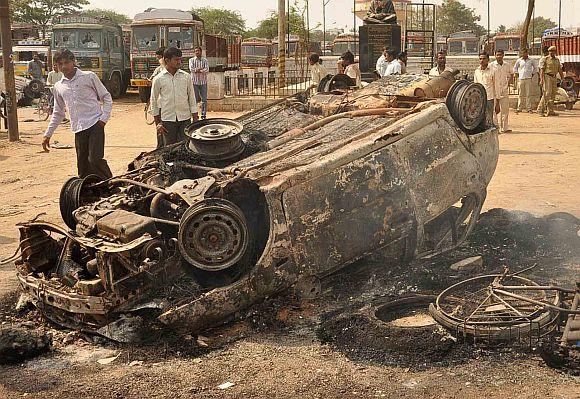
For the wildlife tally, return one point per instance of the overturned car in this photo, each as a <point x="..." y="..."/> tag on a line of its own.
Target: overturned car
<point x="248" y="207"/>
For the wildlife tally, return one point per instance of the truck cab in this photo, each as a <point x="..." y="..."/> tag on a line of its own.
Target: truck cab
<point x="157" y="28"/>
<point x="98" y="46"/>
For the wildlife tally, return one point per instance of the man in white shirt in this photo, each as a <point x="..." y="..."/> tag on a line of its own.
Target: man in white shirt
<point x="503" y="75"/>
<point x="524" y="68"/>
<point x="82" y="94"/>
<point x="393" y="67"/>
<point x="317" y="70"/>
<point x="350" y="68"/>
<point x="54" y="76"/>
<point x="173" y="99"/>
<point x="440" y="67"/>
<point x="486" y="76"/>
<point x="382" y="63"/>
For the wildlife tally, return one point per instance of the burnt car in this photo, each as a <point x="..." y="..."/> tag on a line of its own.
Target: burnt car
<point x="248" y="207"/>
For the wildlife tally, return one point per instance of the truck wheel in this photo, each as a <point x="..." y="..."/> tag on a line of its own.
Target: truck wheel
<point x="570" y="105"/>
<point x="144" y="94"/>
<point x="115" y="86"/>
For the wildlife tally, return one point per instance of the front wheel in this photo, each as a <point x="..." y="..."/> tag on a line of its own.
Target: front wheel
<point x="144" y="93"/>
<point x="115" y="86"/>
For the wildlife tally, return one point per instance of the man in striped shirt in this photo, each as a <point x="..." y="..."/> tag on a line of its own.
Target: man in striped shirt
<point x="199" y="68"/>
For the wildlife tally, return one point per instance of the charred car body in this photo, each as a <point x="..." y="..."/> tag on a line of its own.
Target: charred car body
<point x="247" y="208"/>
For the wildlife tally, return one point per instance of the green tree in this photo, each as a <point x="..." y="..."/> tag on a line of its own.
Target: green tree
<point x="268" y="28"/>
<point x="539" y="25"/>
<point x="501" y="29"/>
<point x="453" y="16"/>
<point x="112" y="15"/>
<point x="221" y="21"/>
<point x="41" y="12"/>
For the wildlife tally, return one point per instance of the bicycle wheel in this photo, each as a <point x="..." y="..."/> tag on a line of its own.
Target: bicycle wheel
<point x="148" y="117"/>
<point x="44" y="109"/>
<point x="484" y="308"/>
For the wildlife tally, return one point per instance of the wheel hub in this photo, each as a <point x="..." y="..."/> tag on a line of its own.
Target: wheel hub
<point x="213" y="235"/>
<point x="215" y="139"/>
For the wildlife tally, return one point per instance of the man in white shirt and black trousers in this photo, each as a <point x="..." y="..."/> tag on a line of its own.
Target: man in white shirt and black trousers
<point x="82" y="93"/>
<point x="173" y="99"/>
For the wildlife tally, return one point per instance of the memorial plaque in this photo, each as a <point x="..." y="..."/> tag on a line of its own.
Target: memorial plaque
<point x="372" y="39"/>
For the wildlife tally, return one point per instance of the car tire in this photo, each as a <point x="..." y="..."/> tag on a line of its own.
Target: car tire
<point x="466" y="103"/>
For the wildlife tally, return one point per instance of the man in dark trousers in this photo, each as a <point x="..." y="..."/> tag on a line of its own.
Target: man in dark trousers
<point x="82" y="93"/>
<point x="173" y="99"/>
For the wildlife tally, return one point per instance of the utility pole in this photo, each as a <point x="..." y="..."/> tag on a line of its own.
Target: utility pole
<point x="559" y="23"/>
<point x="354" y="24"/>
<point x="6" y="37"/>
<point x="282" y="42"/>
<point x="488" y="31"/>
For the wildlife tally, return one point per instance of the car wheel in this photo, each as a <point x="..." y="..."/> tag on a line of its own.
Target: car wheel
<point x="467" y="105"/>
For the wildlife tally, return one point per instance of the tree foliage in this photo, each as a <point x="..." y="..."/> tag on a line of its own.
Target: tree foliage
<point x="112" y="15"/>
<point x="268" y="28"/>
<point x="537" y="26"/>
<point x="221" y="21"/>
<point x="453" y="16"/>
<point x="41" y="12"/>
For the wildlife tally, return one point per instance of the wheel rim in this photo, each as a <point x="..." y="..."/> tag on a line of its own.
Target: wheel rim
<point x="213" y="235"/>
<point x="472" y="102"/>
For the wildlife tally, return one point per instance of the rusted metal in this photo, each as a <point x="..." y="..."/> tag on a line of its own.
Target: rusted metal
<point x="307" y="196"/>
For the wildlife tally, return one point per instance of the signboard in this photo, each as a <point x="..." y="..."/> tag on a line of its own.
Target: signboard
<point x="372" y="40"/>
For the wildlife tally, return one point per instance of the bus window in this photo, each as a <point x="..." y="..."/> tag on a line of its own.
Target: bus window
<point x="187" y="37"/>
<point x="64" y="38"/>
<point x="145" y="38"/>
<point x="89" y="38"/>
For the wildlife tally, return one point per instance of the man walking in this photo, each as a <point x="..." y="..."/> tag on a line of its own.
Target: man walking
<point x="82" y="93"/>
<point x="486" y="76"/>
<point x="552" y="67"/>
<point x="173" y="99"/>
<point x="199" y="68"/>
<point x="503" y="74"/>
<point x="35" y="67"/>
<point x="524" y="68"/>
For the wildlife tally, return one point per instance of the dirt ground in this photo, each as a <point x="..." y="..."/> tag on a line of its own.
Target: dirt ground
<point x="277" y="351"/>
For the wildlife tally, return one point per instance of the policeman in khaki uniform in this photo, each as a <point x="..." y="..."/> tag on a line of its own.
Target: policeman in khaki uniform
<point x="551" y="67"/>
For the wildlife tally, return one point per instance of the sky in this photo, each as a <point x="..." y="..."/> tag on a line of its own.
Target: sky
<point x="339" y="15"/>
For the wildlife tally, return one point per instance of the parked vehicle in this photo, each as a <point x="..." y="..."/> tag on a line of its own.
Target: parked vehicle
<point x="167" y="27"/>
<point x="463" y="43"/>
<point x="344" y="42"/>
<point x="257" y="52"/>
<point x="22" y="55"/>
<point x="509" y="43"/>
<point x="98" y="47"/>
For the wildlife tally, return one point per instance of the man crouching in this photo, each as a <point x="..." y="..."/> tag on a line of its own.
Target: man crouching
<point x="173" y="99"/>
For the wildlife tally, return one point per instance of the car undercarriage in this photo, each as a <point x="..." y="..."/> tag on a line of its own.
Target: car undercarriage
<point x="194" y="232"/>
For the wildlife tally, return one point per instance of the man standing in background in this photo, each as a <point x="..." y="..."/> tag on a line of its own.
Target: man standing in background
<point x="393" y="66"/>
<point x="199" y="68"/>
<point x="382" y="62"/>
<point x="173" y="99"/>
<point x="524" y="68"/>
<point x="503" y="74"/>
<point x="552" y="67"/>
<point x="486" y="76"/>
<point x="35" y="67"/>
<point x="542" y="104"/>
<point x="440" y="67"/>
